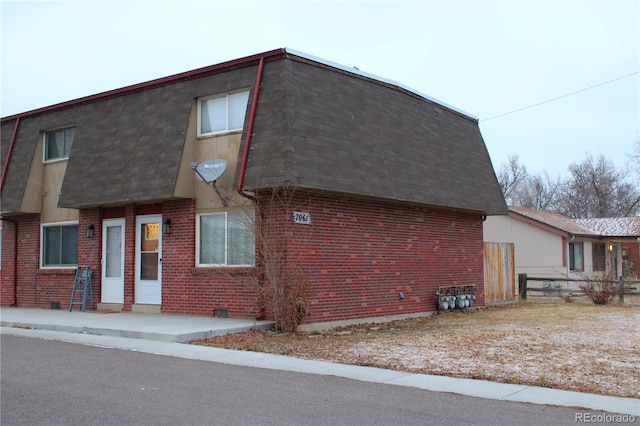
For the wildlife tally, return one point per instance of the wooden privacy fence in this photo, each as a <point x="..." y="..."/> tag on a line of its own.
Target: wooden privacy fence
<point x="499" y="273"/>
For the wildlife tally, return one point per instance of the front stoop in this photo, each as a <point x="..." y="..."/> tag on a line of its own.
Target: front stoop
<point x="110" y="307"/>
<point x="146" y="309"/>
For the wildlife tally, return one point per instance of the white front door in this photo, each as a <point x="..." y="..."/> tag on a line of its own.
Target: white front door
<point x="112" y="261"/>
<point x="149" y="260"/>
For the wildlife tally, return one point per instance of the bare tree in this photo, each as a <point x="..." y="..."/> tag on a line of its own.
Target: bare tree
<point x="260" y="235"/>
<point x="635" y="156"/>
<point x="596" y="189"/>
<point x="537" y="192"/>
<point x="282" y="283"/>
<point x="511" y="176"/>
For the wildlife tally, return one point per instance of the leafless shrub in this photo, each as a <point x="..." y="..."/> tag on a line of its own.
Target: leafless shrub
<point x="283" y="285"/>
<point x="601" y="289"/>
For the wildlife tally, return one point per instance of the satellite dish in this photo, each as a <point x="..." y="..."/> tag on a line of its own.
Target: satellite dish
<point x="209" y="171"/>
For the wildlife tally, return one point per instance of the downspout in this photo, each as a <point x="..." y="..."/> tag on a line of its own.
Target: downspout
<point x="15" y="224"/>
<point x="15" y="260"/>
<point x="6" y="160"/>
<point x="247" y="145"/>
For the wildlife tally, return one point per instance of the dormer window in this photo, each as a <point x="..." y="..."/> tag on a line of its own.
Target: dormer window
<point x="57" y="143"/>
<point x="222" y="113"/>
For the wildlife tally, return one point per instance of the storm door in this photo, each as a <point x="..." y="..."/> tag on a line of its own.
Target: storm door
<point x="112" y="261"/>
<point x="149" y="260"/>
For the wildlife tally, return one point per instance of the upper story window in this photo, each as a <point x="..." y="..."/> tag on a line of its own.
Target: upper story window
<point x="576" y="257"/>
<point x="57" y="143"/>
<point x="222" y="113"/>
<point x="60" y="245"/>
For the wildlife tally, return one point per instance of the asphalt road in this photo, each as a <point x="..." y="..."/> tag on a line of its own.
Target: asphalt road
<point x="45" y="382"/>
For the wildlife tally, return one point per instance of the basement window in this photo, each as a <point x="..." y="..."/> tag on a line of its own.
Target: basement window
<point x="57" y="143"/>
<point x="222" y="113"/>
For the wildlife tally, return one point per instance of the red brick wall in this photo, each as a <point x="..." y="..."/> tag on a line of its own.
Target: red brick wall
<point x="199" y="291"/>
<point x="35" y="287"/>
<point x="633" y="256"/>
<point x="359" y="255"/>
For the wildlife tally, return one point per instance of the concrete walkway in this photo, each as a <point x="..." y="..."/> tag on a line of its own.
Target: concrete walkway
<point x="163" y="333"/>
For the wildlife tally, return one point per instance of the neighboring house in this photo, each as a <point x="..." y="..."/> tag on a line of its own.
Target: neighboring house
<point x="623" y="234"/>
<point x="391" y="190"/>
<point x="551" y="245"/>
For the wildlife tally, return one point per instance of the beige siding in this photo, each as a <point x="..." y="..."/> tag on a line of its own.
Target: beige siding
<point x="53" y="175"/>
<point x="226" y="147"/>
<point x="537" y="252"/>
<point x="32" y="199"/>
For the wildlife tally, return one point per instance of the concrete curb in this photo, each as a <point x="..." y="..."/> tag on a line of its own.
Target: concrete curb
<point x="468" y="387"/>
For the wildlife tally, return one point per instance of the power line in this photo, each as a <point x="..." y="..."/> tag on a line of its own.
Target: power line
<point x="560" y="97"/>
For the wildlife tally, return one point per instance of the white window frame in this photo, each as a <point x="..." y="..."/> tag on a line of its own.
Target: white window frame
<point x="50" y="225"/>
<point x="226" y="242"/>
<point x="218" y="96"/>
<point x="46" y="145"/>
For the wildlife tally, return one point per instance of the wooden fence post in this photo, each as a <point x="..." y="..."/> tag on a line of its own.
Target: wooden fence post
<point x="522" y="285"/>
<point x="621" y="289"/>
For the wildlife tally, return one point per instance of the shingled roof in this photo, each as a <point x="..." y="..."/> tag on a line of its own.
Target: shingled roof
<point x="323" y="128"/>
<point x="318" y="126"/>
<point x="618" y="227"/>
<point x="613" y="226"/>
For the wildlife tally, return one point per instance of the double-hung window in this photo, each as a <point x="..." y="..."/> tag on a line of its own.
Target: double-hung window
<point x="226" y="239"/>
<point x="576" y="257"/>
<point x="57" y="143"/>
<point x="222" y="113"/>
<point x="60" y="245"/>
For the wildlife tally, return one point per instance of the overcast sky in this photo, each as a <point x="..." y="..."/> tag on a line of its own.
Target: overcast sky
<point x="485" y="58"/>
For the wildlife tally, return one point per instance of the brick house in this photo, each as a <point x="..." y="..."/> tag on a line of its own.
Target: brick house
<point x="389" y="190"/>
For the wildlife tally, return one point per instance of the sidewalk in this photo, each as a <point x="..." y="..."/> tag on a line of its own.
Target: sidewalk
<point x="163" y="333"/>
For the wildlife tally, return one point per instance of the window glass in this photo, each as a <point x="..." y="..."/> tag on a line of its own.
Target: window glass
<point x="60" y="245"/>
<point x="598" y="257"/>
<point x="213" y="115"/>
<point x="575" y="257"/>
<point x="226" y="238"/>
<point x="212" y="237"/>
<point x="58" y="143"/>
<point x="237" y="109"/>
<point x="223" y="113"/>
<point x="240" y="238"/>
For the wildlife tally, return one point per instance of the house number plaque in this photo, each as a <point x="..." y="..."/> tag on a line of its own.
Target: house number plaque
<point x="302" y="217"/>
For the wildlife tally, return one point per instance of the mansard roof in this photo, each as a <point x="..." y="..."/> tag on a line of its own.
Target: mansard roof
<point x="318" y="126"/>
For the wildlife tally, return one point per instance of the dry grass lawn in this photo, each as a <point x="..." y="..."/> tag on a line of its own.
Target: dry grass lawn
<point x="573" y="346"/>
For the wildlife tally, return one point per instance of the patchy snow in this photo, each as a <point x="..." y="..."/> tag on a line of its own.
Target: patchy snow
<point x="573" y="346"/>
<point x="613" y="226"/>
<point x="595" y="354"/>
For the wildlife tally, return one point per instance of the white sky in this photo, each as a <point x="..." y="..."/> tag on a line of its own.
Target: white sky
<point x="485" y="58"/>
